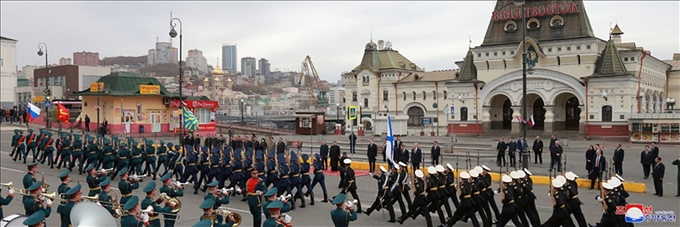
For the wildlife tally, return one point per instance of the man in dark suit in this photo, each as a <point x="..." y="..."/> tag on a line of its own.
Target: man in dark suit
<point x="618" y="160"/>
<point x="384" y="150"/>
<point x="403" y="154"/>
<point x="512" y="147"/>
<point x="281" y="147"/>
<point x="556" y="156"/>
<point x="600" y="164"/>
<point x="655" y="150"/>
<point x="551" y="145"/>
<point x="334" y="154"/>
<point x="352" y="143"/>
<point x="435" y="152"/>
<point x="416" y="156"/>
<point x="372" y="153"/>
<point x="500" y="149"/>
<point x="646" y="160"/>
<point x="657" y="174"/>
<point x="323" y="152"/>
<point x="538" y="150"/>
<point x="521" y="147"/>
<point x="397" y="146"/>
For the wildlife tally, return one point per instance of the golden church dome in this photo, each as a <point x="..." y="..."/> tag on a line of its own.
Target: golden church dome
<point x="217" y="71"/>
<point x="206" y="79"/>
<point x="229" y="79"/>
<point x="216" y="79"/>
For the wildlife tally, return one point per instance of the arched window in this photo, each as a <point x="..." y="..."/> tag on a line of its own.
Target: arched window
<point x="445" y="93"/>
<point x="404" y="93"/>
<point x="365" y="103"/>
<point x="463" y="114"/>
<point x="434" y="95"/>
<point x="414" y="95"/>
<point x="607" y="113"/>
<point x="415" y="116"/>
<point x="343" y="100"/>
<point x="424" y="95"/>
<point x="385" y="95"/>
<point x="354" y="96"/>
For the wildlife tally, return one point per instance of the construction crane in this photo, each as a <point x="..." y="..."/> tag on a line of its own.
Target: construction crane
<point x="308" y="75"/>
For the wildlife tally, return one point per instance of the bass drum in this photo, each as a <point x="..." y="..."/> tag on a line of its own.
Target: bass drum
<point x="13" y="220"/>
<point x="92" y="215"/>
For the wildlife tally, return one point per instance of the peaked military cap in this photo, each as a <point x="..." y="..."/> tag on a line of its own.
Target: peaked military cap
<point x="275" y="205"/>
<point x="35" y="218"/>
<point x="32" y="163"/>
<point x="131" y="203"/>
<point x="106" y="181"/>
<point x="271" y="192"/>
<point x="207" y="204"/>
<point x="340" y="198"/>
<point x="123" y="171"/>
<point x="212" y="184"/>
<point x="89" y="167"/>
<point x="35" y="186"/>
<point x="64" y="174"/>
<point x="305" y="157"/>
<point x="166" y="177"/>
<point x="150" y="187"/>
<point x="204" y="223"/>
<point x="73" y="190"/>
<point x="204" y="149"/>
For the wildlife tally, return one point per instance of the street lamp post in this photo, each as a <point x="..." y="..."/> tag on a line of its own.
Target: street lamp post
<point x="47" y="87"/>
<point x="173" y="34"/>
<point x="242" y="109"/>
<point x="525" y="155"/>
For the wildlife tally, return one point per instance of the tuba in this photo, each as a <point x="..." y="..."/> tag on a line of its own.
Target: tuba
<point x="228" y="214"/>
<point x="91" y="214"/>
<point x="169" y="200"/>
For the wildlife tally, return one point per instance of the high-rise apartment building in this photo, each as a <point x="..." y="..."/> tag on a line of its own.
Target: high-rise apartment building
<point x="264" y="67"/>
<point x="164" y="53"/>
<point x="248" y="66"/>
<point x="64" y="61"/>
<point x="197" y="61"/>
<point x="86" y="58"/>
<point x="229" y="58"/>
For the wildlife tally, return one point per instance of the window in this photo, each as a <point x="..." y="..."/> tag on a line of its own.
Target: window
<point x="385" y="95"/>
<point x="445" y="95"/>
<point x="479" y="55"/>
<point x="632" y="58"/>
<point x="588" y="46"/>
<point x="559" y="49"/>
<point x="404" y="93"/>
<point x="434" y="95"/>
<point x="495" y="53"/>
<point x="424" y="95"/>
<point x="510" y="26"/>
<point x="463" y="114"/>
<point x="354" y="96"/>
<point x="202" y="115"/>
<point x="414" y="96"/>
<point x="568" y="48"/>
<point x="487" y="54"/>
<point x="625" y="59"/>
<point x="512" y="52"/>
<point x="503" y="53"/>
<point x="415" y="116"/>
<point x="607" y="113"/>
<point x="365" y="103"/>
<point x="578" y="47"/>
<point x="549" y="49"/>
<point x="533" y="24"/>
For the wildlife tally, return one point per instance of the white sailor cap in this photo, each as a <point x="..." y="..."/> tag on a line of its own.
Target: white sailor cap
<point x="521" y="174"/>
<point x="570" y="176"/>
<point x="347" y="161"/>
<point x="382" y="168"/>
<point x="515" y="175"/>
<point x="474" y="173"/>
<point x="561" y="178"/>
<point x="620" y="178"/>
<point x="615" y="182"/>
<point x="486" y="168"/>
<point x="464" y="175"/>
<point x="440" y="168"/>
<point x="402" y="164"/>
<point x="431" y="170"/>
<point x="506" y="178"/>
<point x="527" y="171"/>
<point x="419" y="174"/>
<point x="557" y="183"/>
<point x="449" y="165"/>
<point x="478" y="169"/>
<point x="607" y="186"/>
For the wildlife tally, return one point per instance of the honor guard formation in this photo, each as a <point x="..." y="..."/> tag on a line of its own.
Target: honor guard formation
<point x="273" y="181"/>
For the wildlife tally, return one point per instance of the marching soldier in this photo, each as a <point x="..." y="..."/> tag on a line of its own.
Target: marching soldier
<point x="5" y="201"/>
<point x="247" y="166"/>
<point x="226" y="172"/>
<point x="65" y="151"/>
<point x="284" y="178"/>
<point x="73" y="196"/>
<point x="319" y="177"/>
<point x="608" y="205"/>
<point x="65" y="178"/>
<point x="93" y="179"/>
<point x="529" y="197"/>
<point x="192" y="166"/>
<point x="451" y="187"/>
<point x="19" y="146"/>
<point x="443" y="193"/>
<point x="41" y="144"/>
<point x="237" y="166"/>
<point x="466" y="207"/>
<point x="37" y="219"/>
<point x="135" y="158"/>
<point x="204" y="168"/>
<point x="151" y="159"/>
<point x="175" y="158"/>
<point x="105" y="197"/>
<point x="404" y="181"/>
<point x="272" y="176"/>
<point x="419" y="206"/>
<point x="342" y="215"/>
<point x="560" y="215"/>
<point x="220" y="197"/>
<point x="173" y="190"/>
<point x="306" y="179"/>
<point x="162" y="153"/>
<point x="508" y="201"/>
<point x="149" y="201"/>
<point x="29" y="178"/>
<point x="573" y="202"/>
<point x="92" y="152"/>
<point x="351" y="187"/>
<point x="296" y="180"/>
<point x="395" y="190"/>
<point x="384" y="196"/>
<point x="34" y="201"/>
<point x="518" y="192"/>
<point x="123" y="159"/>
<point x="619" y="198"/>
<point x="277" y="219"/>
<point x="480" y="204"/>
<point x="31" y="143"/>
<point x="77" y="154"/>
<point x="487" y="192"/>
<point x="107" y="155"/>
<point x="211" y="219"/>
<point x="434" y="195"/>
<point x="126" y="185"/>
<point x="271" y="197"/>
<point x="259" y="164"/>
<point x="133" y="215"/>
<point x="14" y="143"/>
<point x="255" y="189"/>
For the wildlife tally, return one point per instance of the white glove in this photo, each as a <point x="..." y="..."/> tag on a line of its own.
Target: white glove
<point x="177" y="184"/>
<point x="98" y="203"/>
<point x="11" y="191"/>
<point x="599" y="198"/>
<point x="258" y="192"/>
<point x="43" y="190"/>
<point x="173" y="204"/>
<point x="163" y="195"/>
<point x="238" y="190"/>
<point x="145" y="217"/>
<point x="287" y="218"/>
<point x="42" y="197"/>
<point x="48" y="202"/>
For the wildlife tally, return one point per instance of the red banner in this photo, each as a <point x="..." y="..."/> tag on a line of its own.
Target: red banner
<point x="63" y="114"/>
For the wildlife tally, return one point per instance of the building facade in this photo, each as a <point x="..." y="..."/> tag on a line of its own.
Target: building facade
<point x="248" y="66"/>
<point x="86" y="58"/>
<point x="164" y="53"/>
<point x="64" y="61"/>
<point x="64" y="80"/>
<point x="578" y="84"/>
<point x="264" y="67"/>
<point x="8" y="70"/>
<point x="229" y="57"/>
<point x="197" y="61"/>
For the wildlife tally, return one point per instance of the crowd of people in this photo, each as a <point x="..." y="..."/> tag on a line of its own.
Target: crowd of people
<point x="14" y="115"/>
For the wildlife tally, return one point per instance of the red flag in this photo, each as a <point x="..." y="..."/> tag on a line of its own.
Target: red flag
<point x="63" y="114"/>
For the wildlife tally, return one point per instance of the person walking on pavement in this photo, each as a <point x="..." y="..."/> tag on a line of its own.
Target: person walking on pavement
<point x="599" y="164"/>
<point x="500" y="148"/>
<point x="323" y="152"/>
<point x="335" y="156"/>
<point x="372" y="153"/>
<point x="658" y="173"/>
<point x="618" y="160"/>
<point x="676" y="162"/>
<point x="646" y="160"/>
<point x="537" y="147"/>
<point x="435" y="152"/>
<point x="352" y="143"/>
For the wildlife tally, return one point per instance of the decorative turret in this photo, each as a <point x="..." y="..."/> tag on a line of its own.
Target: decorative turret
<point x="615" y="34"/>
<point x="610" y="63"/>
<point x="468" y="72"/>
<point x="230" y="83"/>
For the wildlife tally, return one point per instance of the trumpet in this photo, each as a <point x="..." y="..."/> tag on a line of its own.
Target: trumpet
<point x="285" y="197"/>
<point x="21" y="191"/>
<point x="180" y="184"/>
<point x="99" y="172"/>
<point x="227" y="191"/>
<point x="148" y="210"/>
<point x="94" y="198"/>
<point x="229" y="215"/>
<point x="51" y="196"/>
<point x="136" y="177"/>
<point x="8" y="185"/>
<point x="350" y="204"/>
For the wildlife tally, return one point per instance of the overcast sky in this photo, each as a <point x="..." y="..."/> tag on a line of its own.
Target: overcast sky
<point x="432" y="34"/>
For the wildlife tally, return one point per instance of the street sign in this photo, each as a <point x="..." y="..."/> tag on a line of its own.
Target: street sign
<point x="453" y="110"/>
<point x="47" y="103"/>
<point x="352" y="113"/>
<point x="427" y="121"/>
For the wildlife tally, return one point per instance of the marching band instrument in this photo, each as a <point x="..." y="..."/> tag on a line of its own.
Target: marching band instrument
<point x="42" y="181"/>
<point x="21" y="191"/>
<point x="93" y="199"/>
<point x="148" y="210"/>
<point x="13" y="220"/>
<point x="51" y="196"/>
<point x="168" y="200"/>
<point x="285" y="197"/>
<point x="91" y="214"/>
<point x="136" y="177"/>
<point x="99" y="172"/>
<point x="8" y="185"/>
<point x="350" y="204"/>
<point x="228" y="214"/>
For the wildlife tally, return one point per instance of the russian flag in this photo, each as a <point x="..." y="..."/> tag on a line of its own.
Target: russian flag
<point x="33" y="112"/>
<point x="531" y="121"/>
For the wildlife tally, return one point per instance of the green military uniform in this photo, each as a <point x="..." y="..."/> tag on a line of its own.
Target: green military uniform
<point x="273" y="221"/>
<point x="131" y="220"/>
<point x="203" y="223"/>
<point x="126" y="187"/>
<point x="340" y="217"/>
<point x="107" y="154"/>
<point x="155" y="218"/>
<point x="32" y="204"/>
<point x="136" y="158"/>
<point x="253" y="185"/>
<point x="677" y="183"/>
<point x="35" y="219"/>
<point x="172" y="193"/>
<point x="65" y="150"/>
<point x="219" y="201"/>
<point x="92" y="152"/>
<point x="214" y="220"/>
<point x="4" y="202"/>
<point x="48" y="152"/>
<point x="105" y="197"/>
<point x="93" y="182"/>
<point x="64" y="210"/>
<point x="29" y="178"/>
<point x="162" y="153"/>
<point x="77" y="154"/>
<point x="151" y="158"/>
<point x="20" y="146"/>
<point x="63" y="188"/>
<point x="265" y="210"/>
<point x="32" y="143"/>
<point x="14" y="144"/>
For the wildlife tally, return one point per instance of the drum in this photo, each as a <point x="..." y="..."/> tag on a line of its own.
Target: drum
<point x="91" y="214"/>
<point x="13" y="220"/>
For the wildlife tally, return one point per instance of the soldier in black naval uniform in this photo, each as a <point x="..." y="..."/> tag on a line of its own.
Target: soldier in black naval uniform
<point x="466" y="207"/>
<point x="507" y="199"/>
<point x="451" y="184"/>
<point x="560" y="214"/>
<point x="383" y="199"/>
<point x="419" y="206"/>
<point x="518" y="192"/>
<point x="351" y="186"/>
<point x="395" y="189"/>
<point x="404" y="181"/>
<point x="443" y="193"/>
<point x="573" y="202"/>
<point x="608" y="206"/>
<point x="527" y="185"/>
